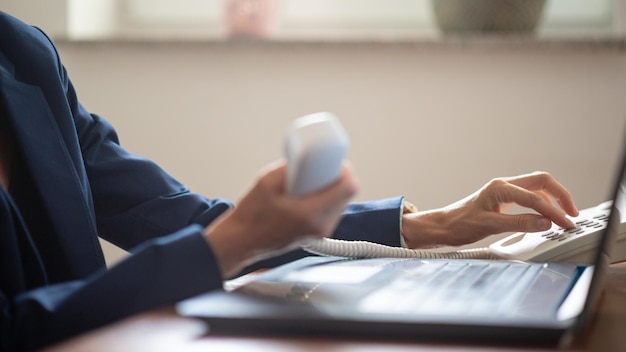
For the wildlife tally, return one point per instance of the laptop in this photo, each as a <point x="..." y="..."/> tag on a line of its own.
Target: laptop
<point x="493" y="301"/>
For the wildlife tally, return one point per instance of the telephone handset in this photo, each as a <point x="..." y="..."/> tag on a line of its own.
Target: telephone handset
<point x="316" y="146"/>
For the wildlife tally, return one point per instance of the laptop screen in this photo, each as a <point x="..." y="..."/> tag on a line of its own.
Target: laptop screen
<point x="607" y="246"/>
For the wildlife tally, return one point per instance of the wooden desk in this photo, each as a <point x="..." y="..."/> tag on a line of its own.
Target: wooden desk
<point x="163" y="330"/>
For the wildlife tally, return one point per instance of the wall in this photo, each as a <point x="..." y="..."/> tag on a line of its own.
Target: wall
<point x="432" y="122"/>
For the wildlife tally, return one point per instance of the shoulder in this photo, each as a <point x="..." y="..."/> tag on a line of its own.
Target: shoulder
<point x="27" y="47"/>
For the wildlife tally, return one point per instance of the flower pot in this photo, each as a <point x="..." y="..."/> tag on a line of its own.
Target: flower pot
<point x="513" y="16"/>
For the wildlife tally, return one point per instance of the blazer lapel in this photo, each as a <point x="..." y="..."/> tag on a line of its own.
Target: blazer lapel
<point x="63" y="187"/>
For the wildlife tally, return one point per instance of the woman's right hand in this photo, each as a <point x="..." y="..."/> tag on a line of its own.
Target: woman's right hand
<point x="267" y="220"/>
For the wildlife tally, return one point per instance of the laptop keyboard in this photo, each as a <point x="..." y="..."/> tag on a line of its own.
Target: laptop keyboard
<point x="454" y="288"/>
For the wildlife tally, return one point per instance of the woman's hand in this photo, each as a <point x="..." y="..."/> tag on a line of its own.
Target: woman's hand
<point x="267" y="220"/>
<point x="483" y="213"/>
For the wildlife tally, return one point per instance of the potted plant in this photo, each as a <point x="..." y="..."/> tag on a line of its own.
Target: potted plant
<point x="505" y="16"/>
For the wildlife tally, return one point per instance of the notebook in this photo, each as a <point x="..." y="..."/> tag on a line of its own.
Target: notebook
<point x="489" y="301"/>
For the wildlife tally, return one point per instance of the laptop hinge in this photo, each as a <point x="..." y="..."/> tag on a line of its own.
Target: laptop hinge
<point x="573" y="305"/>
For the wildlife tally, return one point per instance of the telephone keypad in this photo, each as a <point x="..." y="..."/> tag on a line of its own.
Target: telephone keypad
<point x="561" y="234"/>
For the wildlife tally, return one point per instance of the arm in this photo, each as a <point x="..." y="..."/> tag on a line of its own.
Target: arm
<point x="162" y="271"/>
<point x="134" y="199"/>
<point x="483" y="213"/>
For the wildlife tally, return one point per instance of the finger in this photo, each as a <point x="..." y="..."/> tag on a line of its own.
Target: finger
<point x="567" y="204"/>
<point x="521" y="222"/>
<point x="543" y="181"/>
<point x="545" y="196"/>
<point x="272" y="177"/>
<point x="532" y="200"/>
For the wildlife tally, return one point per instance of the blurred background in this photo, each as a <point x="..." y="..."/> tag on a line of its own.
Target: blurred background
<point x="436" y="102"/>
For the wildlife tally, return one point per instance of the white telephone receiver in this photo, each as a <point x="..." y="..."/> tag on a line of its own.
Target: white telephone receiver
<point x="316" y="147"/>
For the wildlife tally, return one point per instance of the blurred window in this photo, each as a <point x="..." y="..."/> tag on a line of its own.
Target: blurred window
<point x="316" y="19"/>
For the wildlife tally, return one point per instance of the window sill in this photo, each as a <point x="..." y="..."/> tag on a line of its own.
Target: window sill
<point x="599" y="40"/>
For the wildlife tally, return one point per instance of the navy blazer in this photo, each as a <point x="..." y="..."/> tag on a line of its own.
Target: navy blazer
<point x="85" y="185"/>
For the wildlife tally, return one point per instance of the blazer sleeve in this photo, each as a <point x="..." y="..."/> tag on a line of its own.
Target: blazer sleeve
<point x="134" y="198"/>
<point x="161" y="271"/>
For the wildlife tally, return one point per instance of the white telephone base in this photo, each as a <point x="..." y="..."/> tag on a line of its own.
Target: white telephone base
<point x="557" y="244"/>
<point x="576" y="245"/>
